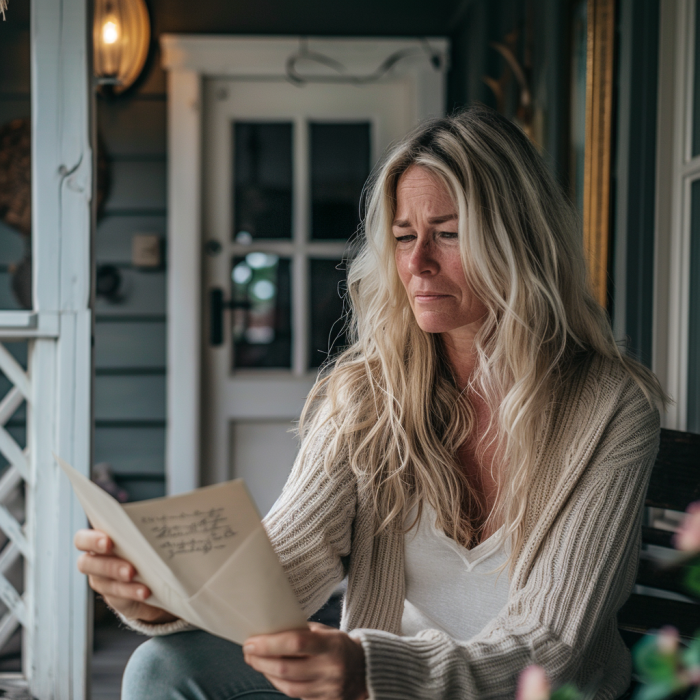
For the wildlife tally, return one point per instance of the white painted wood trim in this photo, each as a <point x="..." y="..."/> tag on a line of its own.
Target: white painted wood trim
<point x="18" y="319"/>
<point x="266" y="57"/>
<point x="74" y="439"/>
<point x="672" y="252"/>
<point x="189" y="59"/>
<point x="29" y="324"/>
<point x="9" y="404"/>
<point x="184" y="280"/>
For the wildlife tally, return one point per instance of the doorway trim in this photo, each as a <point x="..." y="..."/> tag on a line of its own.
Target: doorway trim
<point x="676" y="170"/>
<point x="189" y="60"/>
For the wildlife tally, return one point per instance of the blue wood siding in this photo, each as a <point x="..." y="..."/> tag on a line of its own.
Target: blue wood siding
<point x="130" y="332"/>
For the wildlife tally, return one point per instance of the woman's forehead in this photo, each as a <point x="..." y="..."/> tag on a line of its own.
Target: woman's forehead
<point x="419" y="188"/>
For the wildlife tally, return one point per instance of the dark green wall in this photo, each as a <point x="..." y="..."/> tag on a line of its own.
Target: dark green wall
<point x="634" y="166"/>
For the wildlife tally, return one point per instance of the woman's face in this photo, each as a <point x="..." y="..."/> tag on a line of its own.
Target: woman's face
<point x="428" y="257"/>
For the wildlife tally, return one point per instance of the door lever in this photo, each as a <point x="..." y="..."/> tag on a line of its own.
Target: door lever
<point x="216" y="314"/>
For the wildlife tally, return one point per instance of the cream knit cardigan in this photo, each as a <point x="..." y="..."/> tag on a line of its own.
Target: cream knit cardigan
<point x="576" y="569"/>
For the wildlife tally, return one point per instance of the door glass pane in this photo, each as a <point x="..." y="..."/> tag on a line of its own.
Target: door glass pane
<point x="340" y="162"/>
<point x="326" y="286"/>
<point x="261" y="289"/>
<point x="694" y="320"/>
<point x="262" y="181"/>
<point x="696" y="83"/>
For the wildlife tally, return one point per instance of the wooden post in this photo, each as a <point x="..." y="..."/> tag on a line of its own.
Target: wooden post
<point x="599" y="106"/>
<point x="60" y="367"/>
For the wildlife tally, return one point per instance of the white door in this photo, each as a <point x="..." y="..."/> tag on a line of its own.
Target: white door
<point x="265" y="178"/>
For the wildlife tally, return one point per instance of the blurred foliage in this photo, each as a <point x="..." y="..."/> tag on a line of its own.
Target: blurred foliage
<point x="567" y="692"/>
<point x="691" y="580"/>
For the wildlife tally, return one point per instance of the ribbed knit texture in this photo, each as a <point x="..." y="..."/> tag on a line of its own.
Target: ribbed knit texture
<point x="576" y="569"/>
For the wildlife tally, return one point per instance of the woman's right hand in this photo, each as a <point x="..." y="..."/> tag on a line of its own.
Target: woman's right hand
<point x="112" y="578"/>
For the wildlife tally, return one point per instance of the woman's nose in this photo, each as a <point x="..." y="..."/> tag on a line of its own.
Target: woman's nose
<point x="422" y="260"/>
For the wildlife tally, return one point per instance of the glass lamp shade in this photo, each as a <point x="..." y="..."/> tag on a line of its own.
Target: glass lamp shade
<point x="121" y="36"/>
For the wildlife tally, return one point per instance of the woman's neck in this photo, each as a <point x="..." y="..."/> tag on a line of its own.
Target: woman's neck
<point x="460" y="349"/>
<point x="480" y="465"/>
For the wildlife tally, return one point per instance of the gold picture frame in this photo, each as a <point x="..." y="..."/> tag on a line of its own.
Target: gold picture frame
<point x="600" y="56"/>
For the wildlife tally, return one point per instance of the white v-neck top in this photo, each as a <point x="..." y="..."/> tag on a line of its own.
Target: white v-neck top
<point x="449" y="587"/>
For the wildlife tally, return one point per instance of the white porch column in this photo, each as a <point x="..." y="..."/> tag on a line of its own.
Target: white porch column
<point x="60" y="367"/>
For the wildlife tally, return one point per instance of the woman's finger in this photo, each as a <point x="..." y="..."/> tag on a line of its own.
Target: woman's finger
<point x="137" y="610"/>
<point x="293" y="643"/>
<point x="93" y="541"/>
<point x="118" y="589"/>
<point x="126" y="606"/>
<point x="106" y="567"/>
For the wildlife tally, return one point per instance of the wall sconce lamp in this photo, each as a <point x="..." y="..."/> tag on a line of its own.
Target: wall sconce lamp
<point x="121" y="37"/>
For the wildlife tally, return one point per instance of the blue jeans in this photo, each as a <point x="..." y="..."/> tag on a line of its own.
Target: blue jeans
<point x="193" y="666"/>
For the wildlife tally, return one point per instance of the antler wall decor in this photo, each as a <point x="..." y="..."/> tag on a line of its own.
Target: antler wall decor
<point x="524" y="112"/>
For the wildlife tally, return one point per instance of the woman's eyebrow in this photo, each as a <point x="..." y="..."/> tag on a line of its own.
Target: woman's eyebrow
<point x="403" y="223"/>
<point x="442" y="219"/>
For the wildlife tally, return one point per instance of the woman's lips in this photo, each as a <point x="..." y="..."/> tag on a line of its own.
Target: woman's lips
<point x="427" y="297"/>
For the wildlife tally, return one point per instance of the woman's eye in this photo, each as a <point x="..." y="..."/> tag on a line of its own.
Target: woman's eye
<point x="449" y="234"/>
<point x="404" y="239"/>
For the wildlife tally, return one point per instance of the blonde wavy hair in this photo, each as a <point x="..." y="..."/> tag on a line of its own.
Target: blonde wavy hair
<point x="390" y="403"/>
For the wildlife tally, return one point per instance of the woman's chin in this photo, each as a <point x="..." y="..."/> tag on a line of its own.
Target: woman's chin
<point x="434" y="325"/>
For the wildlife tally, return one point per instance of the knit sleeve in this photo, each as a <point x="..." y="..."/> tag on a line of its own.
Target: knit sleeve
<point x="155" y="630"/>
<point x="310" y="525"/>
<point x="582" y="574"/>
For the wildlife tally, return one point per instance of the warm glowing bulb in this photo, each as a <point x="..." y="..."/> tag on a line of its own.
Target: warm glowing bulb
<point x="121" y="39"/>
<point x="110" y="32"/>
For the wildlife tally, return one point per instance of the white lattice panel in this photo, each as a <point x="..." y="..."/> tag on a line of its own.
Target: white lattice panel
<point x="14" y="481"/>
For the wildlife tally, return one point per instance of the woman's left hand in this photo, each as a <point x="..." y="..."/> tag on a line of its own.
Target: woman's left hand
<point x="321" y="662"/>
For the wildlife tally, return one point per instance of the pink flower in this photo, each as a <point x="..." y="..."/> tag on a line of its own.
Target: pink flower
<point x="667" y="640"/>
<point x="533" y="684"/>
<point x="687" y="539"/>
<point x="692" y="676"/>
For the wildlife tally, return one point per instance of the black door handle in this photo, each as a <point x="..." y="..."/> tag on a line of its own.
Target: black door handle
<point x="217" y="304"/>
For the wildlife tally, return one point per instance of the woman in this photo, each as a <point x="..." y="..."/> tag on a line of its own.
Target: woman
<point x="474" y="463"/>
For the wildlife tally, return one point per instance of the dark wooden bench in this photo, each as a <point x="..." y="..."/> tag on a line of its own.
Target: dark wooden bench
<point x="675" y="483"/>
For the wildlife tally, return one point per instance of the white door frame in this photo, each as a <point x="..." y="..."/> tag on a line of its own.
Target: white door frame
<point x="672" y="247"/>
<point x="189" y="59"/>
<point x="53" y="609"/>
